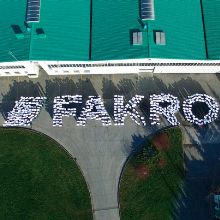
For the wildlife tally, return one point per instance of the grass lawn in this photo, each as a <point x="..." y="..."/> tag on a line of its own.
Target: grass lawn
<point x="152" y="178"/>
<point x="39" y="180"/>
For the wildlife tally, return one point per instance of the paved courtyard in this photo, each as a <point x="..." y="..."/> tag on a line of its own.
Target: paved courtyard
<point x="101" y="151"/>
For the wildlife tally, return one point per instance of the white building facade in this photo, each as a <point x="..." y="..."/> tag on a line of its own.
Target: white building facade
<point x="136" y="66"/>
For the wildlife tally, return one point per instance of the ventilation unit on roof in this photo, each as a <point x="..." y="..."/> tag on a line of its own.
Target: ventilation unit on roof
<point x="33" y="11"/>
<point x="137" y="38"/>
<point x="160" y="37"/>
<point x="147" y="9"/>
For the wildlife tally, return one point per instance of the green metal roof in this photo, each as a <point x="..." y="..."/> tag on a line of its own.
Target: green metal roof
<point x="212" y="27"/>
<point x="112" y="21"/>
<point x="13" y="13"/>
<point x="100" y="30"/>
<point x="182" y="23"/>
<point x="67" y="28"/>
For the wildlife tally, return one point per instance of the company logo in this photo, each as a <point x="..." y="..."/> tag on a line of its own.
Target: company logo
<point x="26" y="109"/>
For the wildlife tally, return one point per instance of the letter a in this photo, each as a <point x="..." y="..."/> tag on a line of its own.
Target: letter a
<point x="94" y="109"/>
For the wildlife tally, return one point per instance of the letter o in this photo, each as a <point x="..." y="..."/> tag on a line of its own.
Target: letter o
<point x="208" y="118"/>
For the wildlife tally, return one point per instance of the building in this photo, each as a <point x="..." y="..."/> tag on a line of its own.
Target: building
<point x="111" y="36"/>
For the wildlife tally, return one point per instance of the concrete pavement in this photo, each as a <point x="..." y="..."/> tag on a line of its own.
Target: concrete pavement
<point x="101" y="151"/>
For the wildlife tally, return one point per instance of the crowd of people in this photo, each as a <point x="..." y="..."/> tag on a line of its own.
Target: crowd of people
<point x="24" y="111"/>
<point x="59" y="111"/>
<point x="167" y="111"/>
<point x="28" y="108"/>
<point x="94" y="109"/>
<point x="210" y="102"/>
<point x="121" y="111"/>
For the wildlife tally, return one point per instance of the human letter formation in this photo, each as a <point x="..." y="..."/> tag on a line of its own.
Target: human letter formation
<point x="210" y="102"/>
<point x="59" y="111"/>
<point x="169" y="111"/>
<point x="24" y="111"/>
<point x="94" y="109"/>
<point x="28" y="108"/>
<point x="121" y="111"/>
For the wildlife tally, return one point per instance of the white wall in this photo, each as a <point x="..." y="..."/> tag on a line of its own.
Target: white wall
<point x="166" y="66"/>
<point x="137" y="66"/>
<point x="19" y="68"/>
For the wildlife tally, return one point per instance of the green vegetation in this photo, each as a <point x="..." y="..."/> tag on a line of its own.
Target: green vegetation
<point x="39" y="180"/>
<point x="152" y="178"/>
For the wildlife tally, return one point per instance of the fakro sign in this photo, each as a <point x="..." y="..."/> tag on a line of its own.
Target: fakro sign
<point x="26" y="109"/>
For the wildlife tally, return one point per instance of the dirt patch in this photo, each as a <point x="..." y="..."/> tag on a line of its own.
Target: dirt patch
<point x="161" y="141"/>
<point x="142" y="172"/>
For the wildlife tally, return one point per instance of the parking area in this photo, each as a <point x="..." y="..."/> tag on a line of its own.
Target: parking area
<point x="101" y="151"/>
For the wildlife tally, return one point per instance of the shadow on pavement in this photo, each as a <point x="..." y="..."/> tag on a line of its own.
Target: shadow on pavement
<point x="59" y="87"/>
<point x="201" y="162"/>
<point x="16" y="90"/>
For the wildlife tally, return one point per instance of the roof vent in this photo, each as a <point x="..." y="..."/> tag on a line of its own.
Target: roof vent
<point x="160" y="38"/>
<point x="33" y="11"/>
<point x="137" y="38"/>
<point x="147" y="10"/>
